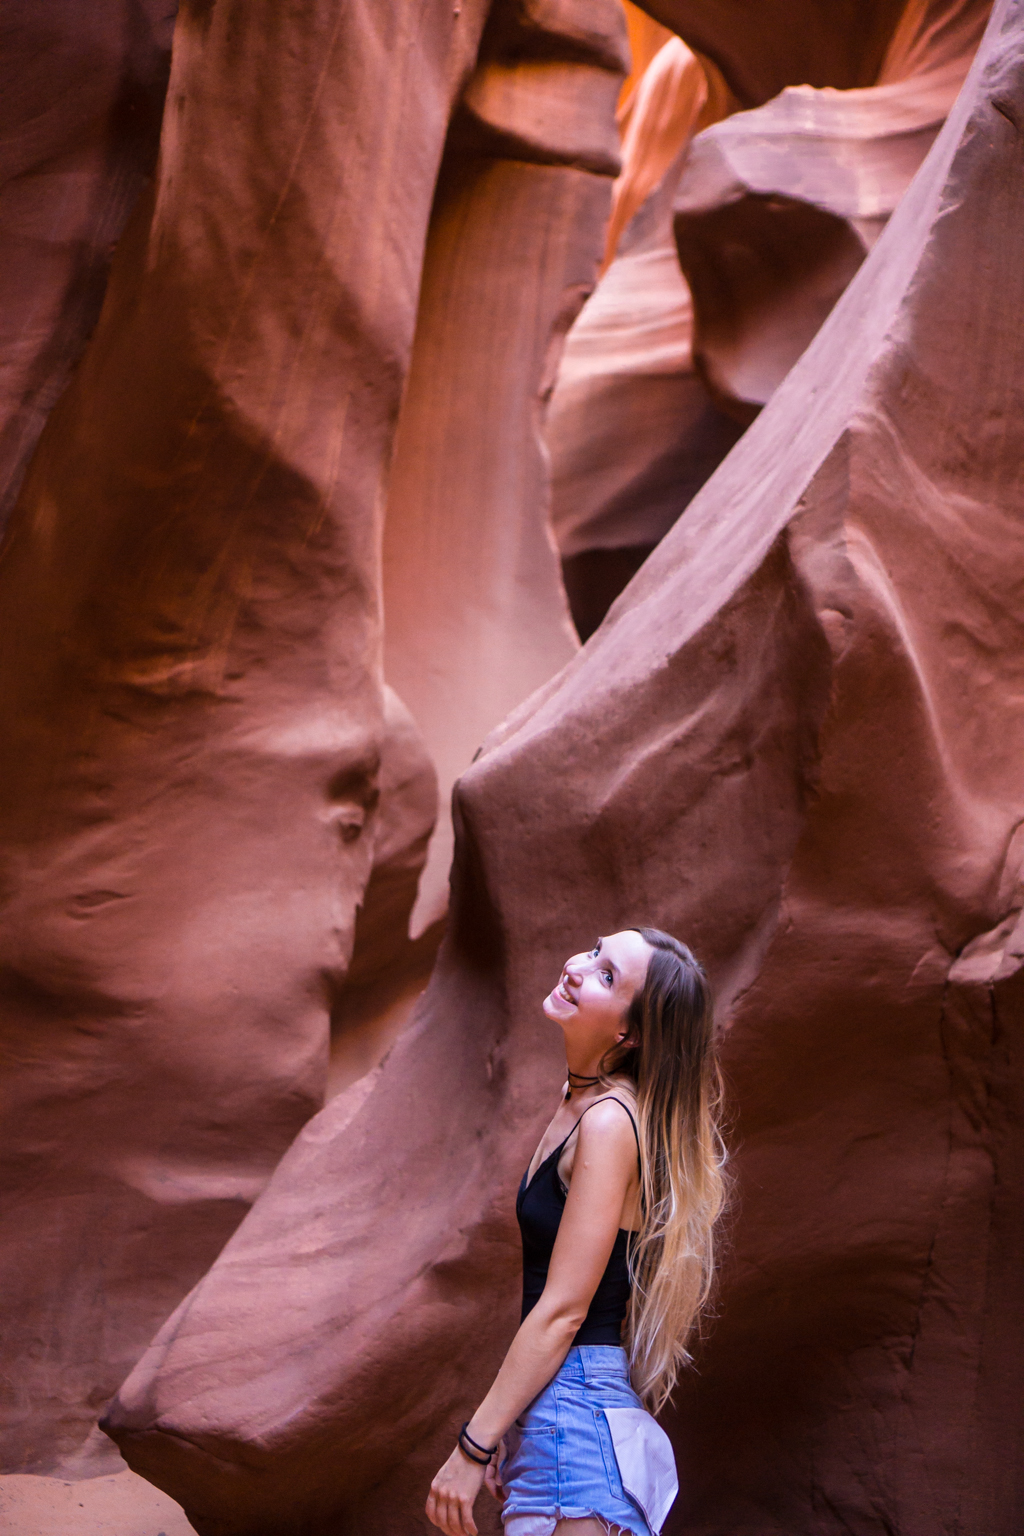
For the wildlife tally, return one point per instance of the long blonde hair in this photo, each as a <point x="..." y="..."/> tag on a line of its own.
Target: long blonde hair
<point x="669" y="1053"/>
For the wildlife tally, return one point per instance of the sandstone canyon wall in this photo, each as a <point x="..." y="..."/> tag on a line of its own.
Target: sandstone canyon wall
<point x="797" y="741"/>
<point x="732" y="235"/>
<point x="631" y="429"/>
<point x="776" y="208"/>
<point x="761" y="49"/>
<point x="203" y="772"/>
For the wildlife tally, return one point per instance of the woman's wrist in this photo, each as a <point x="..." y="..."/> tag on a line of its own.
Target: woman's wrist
<point x="482" y="1435"/>
<point x="480" y="1455"/>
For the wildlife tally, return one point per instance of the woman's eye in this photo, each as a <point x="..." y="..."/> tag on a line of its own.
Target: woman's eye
<point x="596" y="950"/>
<point x="608" y="977"/>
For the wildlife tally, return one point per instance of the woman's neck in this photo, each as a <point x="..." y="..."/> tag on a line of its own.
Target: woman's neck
<point x="581" y="1066"/>
<point x="579" y="1085"/>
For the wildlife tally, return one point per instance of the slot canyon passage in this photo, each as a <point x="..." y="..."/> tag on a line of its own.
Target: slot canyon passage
<point x="360" y="357"/>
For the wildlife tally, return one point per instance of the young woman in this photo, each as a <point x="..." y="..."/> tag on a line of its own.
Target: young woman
<point x="616" y="1210"/>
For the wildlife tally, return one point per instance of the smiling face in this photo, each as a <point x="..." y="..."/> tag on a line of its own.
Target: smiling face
<point x="595" y="990"/>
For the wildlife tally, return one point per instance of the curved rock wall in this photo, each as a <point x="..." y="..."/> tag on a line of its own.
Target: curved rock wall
<point x="732" y="235"/>
<point x="631" y="430"/>
<point x="797" y="741"/>
<point x="192" y="751"/>
<point x="475" y="612"/>
<point x="761" y="49"/>
<point x="196" y="732"/>
<point x="776" y="208"/>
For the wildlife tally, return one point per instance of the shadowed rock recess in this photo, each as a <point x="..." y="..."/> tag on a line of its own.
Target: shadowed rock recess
<point x="797" y="741"/>
<point x="82" y="90"/>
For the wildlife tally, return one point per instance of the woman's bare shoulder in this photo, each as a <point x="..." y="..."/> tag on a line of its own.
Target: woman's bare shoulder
<point x="609" y="1117"/>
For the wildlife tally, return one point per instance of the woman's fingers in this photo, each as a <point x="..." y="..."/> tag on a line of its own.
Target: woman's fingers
<point x="439" y="1512"/>
<point x="452" y="1495"/>
<point x="452" y="1515"/>
<point x="460" y="1515"/>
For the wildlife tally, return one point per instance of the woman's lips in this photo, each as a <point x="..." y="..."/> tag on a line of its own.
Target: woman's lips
<point x="562" y="993"/>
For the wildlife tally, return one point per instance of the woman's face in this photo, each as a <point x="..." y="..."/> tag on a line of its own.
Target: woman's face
<point x="595" y="989"/>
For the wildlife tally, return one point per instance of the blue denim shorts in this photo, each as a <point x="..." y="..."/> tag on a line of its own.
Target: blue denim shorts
<point x="559" y="1459"/>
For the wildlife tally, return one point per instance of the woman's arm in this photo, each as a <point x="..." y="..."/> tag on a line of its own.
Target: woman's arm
<point x="604" y="1167"/>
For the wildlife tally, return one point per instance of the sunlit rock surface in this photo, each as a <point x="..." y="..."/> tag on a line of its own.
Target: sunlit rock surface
<point x="761" y="49"/>
<point x="475" y="613"/>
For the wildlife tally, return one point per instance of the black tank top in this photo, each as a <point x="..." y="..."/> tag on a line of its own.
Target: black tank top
<point x="539" y="1207"/>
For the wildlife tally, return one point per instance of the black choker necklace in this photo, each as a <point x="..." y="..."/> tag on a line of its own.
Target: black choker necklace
<point x="578" y="1082"/>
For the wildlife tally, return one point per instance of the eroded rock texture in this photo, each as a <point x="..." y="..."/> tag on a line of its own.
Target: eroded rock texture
<point x="203" y="772"/>
<point x="631" y="430"/>
<point x="777" y="207"/>
<point x="475" y="611"/>
<point x="770" y="212"/>
<point x="83" y="89"/>
<point x="761" y="49"/>
<point x="797" y="741"/>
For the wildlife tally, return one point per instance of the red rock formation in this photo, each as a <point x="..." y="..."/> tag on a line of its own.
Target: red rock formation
<point x="776" y="208"/>
<point x="677" y="96"/>
<point x="194" y="755"/>
<point x="798" y="741"/>
<point x="762" y="48"/>
<point x="83" y="89"/>
<point x="475" y="611"/>
<point x="631" y="430"/>
<point x="646" y="38"/>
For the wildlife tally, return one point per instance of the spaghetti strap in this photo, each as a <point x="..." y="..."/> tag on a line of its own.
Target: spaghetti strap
<point x="562" y="1144"/>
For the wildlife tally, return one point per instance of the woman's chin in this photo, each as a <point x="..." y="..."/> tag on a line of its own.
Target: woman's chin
<point x="556" y="1008"/>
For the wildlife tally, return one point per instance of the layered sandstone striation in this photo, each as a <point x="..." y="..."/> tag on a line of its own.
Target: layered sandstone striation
<point x="204" y="773"/>
<point x="475" y="613"/>
<point x="797" y="742"/>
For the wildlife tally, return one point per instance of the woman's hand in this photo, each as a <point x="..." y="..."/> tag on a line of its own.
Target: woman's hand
<point x="453" y="1494"/>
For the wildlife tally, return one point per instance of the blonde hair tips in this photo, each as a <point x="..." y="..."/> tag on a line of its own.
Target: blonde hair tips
<point x="669" y="1052"/>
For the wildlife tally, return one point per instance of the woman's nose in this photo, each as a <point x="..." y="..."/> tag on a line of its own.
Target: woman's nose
<point x="573" y="967"/>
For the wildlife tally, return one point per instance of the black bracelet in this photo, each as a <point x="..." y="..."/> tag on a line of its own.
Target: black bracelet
<point x="485" y="1455"/>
